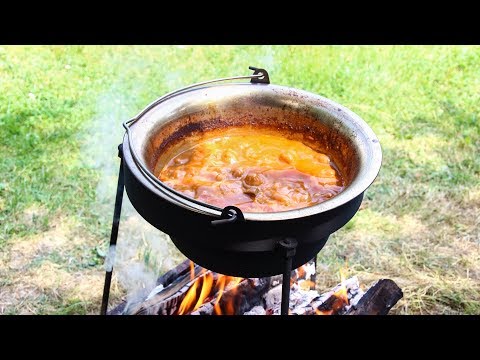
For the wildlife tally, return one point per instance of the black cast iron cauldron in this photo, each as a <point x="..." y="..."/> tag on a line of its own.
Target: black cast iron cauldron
<point x="226" y="240"/>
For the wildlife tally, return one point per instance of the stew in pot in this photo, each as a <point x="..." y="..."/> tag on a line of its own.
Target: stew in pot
<point x="254" y="170"/>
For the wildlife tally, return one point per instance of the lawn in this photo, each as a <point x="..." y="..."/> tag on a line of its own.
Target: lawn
<point x="61" y="109"/>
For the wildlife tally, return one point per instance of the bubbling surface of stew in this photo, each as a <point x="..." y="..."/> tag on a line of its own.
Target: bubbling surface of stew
<point x="253" y="170"/>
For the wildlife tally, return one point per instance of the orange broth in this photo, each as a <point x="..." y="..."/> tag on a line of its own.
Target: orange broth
<point x="255" y="171"/>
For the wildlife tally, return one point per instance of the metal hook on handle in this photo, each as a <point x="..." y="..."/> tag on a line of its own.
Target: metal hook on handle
<point x="230" y="214"/>
<point x="264" y="79"/>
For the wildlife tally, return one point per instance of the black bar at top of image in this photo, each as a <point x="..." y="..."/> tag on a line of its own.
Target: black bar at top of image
<point x="107" y="37"/>
<point x="303" y="25"/>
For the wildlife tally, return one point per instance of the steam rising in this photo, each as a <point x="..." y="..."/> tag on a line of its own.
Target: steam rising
<point x="142" y="251"/>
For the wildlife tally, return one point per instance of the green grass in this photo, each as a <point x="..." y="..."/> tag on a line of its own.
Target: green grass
<point x="61" y="109"/>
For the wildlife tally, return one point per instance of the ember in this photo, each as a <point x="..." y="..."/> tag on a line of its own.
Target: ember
<point x="340" y="299"/>
<point x="196" y="291"/>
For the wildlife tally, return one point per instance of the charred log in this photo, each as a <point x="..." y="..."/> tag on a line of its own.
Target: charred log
<point x="262" y="295"/>
<point x="172" y="286"/>
<point x="328" y="303"/>
<point x="238" y="299"/>
<point x="173" y="274"/>
<point x="166" y="301"/>
<point x="162" y="282"/>
<point x="378" y="300"/>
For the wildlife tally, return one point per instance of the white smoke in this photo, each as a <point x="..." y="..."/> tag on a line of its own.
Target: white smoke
<point x="266" y="60"/>
<point x="143" y="253"/>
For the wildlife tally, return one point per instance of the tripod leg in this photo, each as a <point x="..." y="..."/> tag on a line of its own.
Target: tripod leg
<point x="113" y="235"/>
<point x="288" y="245"/>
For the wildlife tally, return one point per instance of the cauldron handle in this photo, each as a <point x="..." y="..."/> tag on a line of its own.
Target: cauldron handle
<point x="259" y="76"/>
<point x="230" y="214"/>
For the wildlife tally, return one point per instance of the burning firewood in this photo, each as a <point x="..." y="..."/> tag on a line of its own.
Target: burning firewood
<point x="378" y="300"/>
<point x="169" y="295"/>
<point x="237" y="299"/>
<point x="189" y="289"/>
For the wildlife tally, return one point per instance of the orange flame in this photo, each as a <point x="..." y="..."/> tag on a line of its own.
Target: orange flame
<point x="192" y="270"/>
<point x="232" y="283"/>
<point x="341" y="298"/>
<point x="306" y="285"/>
<point x="323" y="312"/>
<point x="206" y="288"/>
<point x="342" y="292"/>
<point x="301" y="272"/>
<point x="203" y="287"/>
<point x="300" y="276"/>
<point x="236" y="281"/>
<point x="192" y="301"/>
<point x="221" y="285"/>
<point x="189" y="299"/>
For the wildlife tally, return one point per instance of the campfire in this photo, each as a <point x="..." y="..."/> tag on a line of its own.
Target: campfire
<point x="189" y="289"/>
<point x="311" y="140"/>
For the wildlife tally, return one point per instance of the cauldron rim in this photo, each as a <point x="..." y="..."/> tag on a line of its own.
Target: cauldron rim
<point x="368" y="143"/>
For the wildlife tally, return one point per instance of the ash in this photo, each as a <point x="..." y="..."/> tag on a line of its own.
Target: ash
<point x="304" y="301"/>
